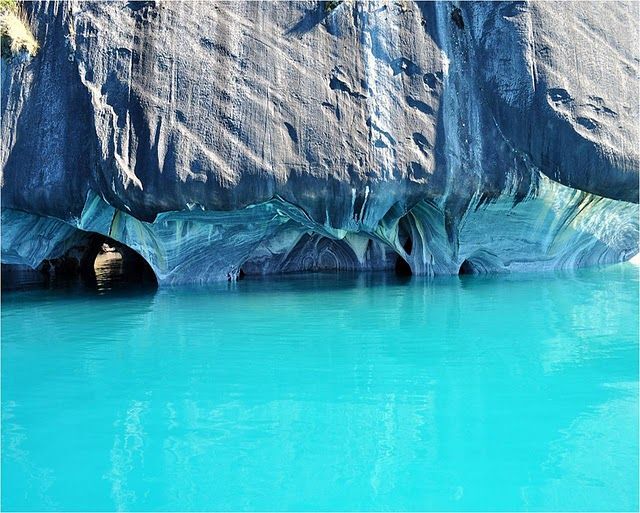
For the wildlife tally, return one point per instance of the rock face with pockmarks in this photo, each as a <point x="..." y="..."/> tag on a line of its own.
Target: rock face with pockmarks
<point x="227" y="138"/>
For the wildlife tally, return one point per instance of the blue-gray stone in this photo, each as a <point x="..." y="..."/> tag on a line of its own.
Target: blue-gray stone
<point x="277" y="137"/>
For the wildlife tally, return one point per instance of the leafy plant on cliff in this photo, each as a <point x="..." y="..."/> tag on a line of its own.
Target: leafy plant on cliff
<point x="17" y="39"/>
<point x="8" y="5"/>
<point x="331" y="5"/>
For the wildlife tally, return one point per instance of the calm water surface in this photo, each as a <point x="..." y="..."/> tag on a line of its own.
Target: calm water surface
<point x="325" y="392"/>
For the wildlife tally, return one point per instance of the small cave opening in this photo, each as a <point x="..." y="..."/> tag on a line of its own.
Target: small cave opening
<point x="402" y="267"/>
<point x="107" y="263"/>
<point x="467" y="268"/>
<point x="456" y="16"/>
<point x="90" y="260"/>
<point x="408" y="245"/>
<point x="236" y="275"/>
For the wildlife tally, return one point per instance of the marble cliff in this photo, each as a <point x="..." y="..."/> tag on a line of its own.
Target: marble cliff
<point x="225" y="138"/>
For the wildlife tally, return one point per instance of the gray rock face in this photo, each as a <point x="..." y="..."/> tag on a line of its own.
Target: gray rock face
<point x="276" y="137"/>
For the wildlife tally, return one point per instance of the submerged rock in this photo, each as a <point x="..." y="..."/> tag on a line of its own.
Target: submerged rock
<point x="244" y="137"/>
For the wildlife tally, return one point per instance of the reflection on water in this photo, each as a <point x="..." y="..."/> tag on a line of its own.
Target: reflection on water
<point x="326" y="392"/>
<point x="113" y="272"/>
<point x="109" y="270"/>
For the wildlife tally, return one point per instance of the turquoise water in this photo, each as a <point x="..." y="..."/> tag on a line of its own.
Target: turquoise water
<point x="325" y="392"/>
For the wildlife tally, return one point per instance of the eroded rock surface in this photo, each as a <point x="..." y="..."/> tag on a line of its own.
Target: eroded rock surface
<point x="221" y="137"/>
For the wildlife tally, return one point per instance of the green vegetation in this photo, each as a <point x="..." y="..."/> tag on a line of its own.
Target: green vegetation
<point x="331" y="5"/>
<point x="17" y="39"/>
<point x="9" y="6"/>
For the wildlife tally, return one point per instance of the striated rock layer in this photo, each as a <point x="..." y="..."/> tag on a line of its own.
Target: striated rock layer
<point x="222" y="138"/>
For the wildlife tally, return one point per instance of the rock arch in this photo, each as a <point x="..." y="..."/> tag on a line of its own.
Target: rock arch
<point x="481" y="262"/>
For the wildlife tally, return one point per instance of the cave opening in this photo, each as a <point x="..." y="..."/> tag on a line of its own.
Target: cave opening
<point x="107" y="263"/>
<point x="466" y="268"/>
<point x="91" y="260"/>
<point x="408" y="245"/>
<point x="402" y="267"/>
